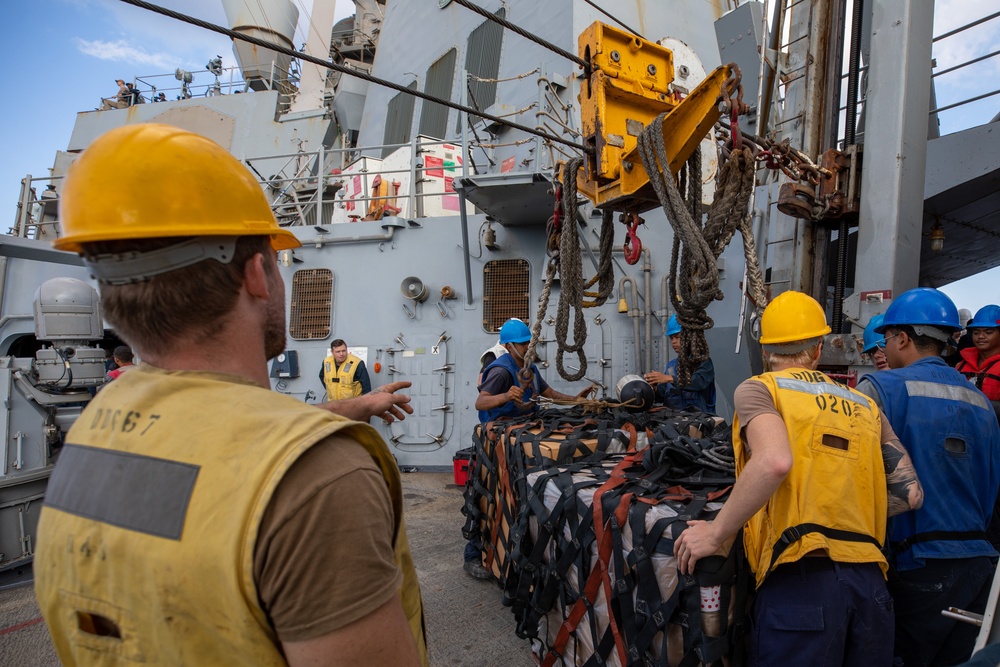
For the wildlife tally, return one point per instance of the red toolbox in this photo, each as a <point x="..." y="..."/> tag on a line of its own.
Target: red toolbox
<point x="462" y="461"/>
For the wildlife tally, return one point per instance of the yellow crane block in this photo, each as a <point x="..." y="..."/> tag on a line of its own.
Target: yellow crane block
<point x="628" y="87"/>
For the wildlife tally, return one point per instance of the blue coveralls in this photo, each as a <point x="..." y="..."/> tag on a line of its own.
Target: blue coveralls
<point x="940" y="551"/>
<point x="698" y="393"/>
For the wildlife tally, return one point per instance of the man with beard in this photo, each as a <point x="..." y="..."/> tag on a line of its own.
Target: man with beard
<point x="195" y="516"/>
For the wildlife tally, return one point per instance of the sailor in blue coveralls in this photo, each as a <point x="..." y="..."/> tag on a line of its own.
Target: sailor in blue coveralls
<point x="698" y="393"/>
<point x="949" y="429"/>
<point x="500" y="392"/>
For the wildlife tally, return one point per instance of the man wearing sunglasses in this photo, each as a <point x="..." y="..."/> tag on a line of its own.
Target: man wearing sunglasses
<point x="875" y="343"/>
<point x="940" y="551"/>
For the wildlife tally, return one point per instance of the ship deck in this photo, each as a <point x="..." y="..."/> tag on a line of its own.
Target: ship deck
<point x="466" y="624"/>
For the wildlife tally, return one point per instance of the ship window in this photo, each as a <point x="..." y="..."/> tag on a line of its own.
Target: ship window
<point x="312" y="304"/>
<point x="506" y="292"/>
<point x="440" y="76"/>
<point x="482" y="60"/>
<point x="398" y="120"/>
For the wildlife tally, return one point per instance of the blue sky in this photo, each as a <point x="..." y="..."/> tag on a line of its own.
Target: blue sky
<point x="62" y="56"/>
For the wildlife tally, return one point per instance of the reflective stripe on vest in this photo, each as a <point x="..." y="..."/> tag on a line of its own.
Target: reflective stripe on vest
<point x="947" y="392"/>
<point x="818" y="388"/>
<point x="949" y="428"/>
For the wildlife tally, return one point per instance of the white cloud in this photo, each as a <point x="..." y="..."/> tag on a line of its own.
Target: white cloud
<point x="122" y="51"/>
<point x="952" y="14"/>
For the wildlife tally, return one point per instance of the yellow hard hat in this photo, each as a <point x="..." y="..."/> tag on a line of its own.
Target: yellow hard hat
<point x="792" y="316"/>
<point x="150" y="180"/>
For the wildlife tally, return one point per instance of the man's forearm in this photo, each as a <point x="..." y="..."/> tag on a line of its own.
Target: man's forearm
<point x="557" y="395"/>
<point x="904" y="490"/>
<point x="490" y="401"/>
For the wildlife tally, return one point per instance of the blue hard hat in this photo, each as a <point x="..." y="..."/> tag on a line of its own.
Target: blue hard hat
<point x="872" y="339"/>
<point x="921" y="306"/>
<point x="514" y="331"/>
<point x="672" y="327"/>
<point x="987" y="317"/>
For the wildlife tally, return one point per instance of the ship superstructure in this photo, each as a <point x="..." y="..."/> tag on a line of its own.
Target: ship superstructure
<point x="424" y="228"/>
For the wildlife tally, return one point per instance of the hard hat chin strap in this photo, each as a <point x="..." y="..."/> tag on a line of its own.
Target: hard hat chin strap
<point x="135" y="267"/>
<point x="931" y="332"/>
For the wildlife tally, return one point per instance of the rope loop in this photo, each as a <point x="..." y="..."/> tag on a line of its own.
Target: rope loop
<point x="694" y="277"/>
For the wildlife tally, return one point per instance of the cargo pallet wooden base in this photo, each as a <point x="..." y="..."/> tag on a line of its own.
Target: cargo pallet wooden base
<point x="576" y="516"/>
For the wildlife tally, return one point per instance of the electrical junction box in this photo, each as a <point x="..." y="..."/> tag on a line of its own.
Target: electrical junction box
<point x="285" y="365"/>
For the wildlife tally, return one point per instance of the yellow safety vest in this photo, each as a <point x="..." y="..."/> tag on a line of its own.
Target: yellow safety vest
<point x="340" y="382"/>
<point x="834" y="498"/>
<point x="152" y="514"/>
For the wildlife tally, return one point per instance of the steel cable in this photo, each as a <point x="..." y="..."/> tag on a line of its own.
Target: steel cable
<point x="523" y="33"/>
<point x="348" y="71"/>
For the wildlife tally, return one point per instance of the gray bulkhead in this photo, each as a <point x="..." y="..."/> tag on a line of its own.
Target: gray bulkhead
<point x="437" y="344"/>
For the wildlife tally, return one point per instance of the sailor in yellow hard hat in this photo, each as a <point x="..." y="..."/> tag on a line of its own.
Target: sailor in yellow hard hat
<point x="195" y="516"/>
<point x="812" y="496"/>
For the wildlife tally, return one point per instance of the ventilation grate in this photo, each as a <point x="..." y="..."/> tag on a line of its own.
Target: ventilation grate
<point x="434" y="116"/>
<point x="482" y="62"/>
<point x="506" y="292"/>
<point x="312" y="304"/>
<point x="398" y="121"/>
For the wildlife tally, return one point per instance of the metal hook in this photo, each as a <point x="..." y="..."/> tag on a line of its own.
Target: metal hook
<point x="633" y="246"/>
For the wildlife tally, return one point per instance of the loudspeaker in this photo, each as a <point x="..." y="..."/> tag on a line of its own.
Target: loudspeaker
<point x="414" y="288"/>
<point x="635" y="391"/>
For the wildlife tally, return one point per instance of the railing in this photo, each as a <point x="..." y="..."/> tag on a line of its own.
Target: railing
<point x="300" y="197"/>
<point x="961" y="101"/>
<point x="168" y="87"/>
<point x="988" y="77"/>
<point x="953" y="99"/>
<point x="298" y="190"/>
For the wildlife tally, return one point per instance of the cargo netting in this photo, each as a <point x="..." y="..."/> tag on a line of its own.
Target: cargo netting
<point x="576" y="514"/>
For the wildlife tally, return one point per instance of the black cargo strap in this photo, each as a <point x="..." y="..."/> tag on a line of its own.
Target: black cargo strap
<point x="938" y="536"/>
<point x="547" y="540"/>
<point x="523" y="590"/>
<point x="481" y="473"/>
<point x="795" y="533"/>
<point x="741" y="596"/>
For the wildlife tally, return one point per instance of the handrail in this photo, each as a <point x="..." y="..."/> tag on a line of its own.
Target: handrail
<point x="966" y="27"/>
<point x="963" y="102"/>
<point x="28" y="219"/>
<point x="966" y="63"/>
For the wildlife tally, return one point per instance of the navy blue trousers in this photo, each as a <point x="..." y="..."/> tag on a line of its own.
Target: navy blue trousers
<point x="923" y="635"/>
<point x="820" y="613"/>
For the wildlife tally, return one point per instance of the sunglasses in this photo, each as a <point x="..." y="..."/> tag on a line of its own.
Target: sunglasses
<point x="881" y="344"/>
